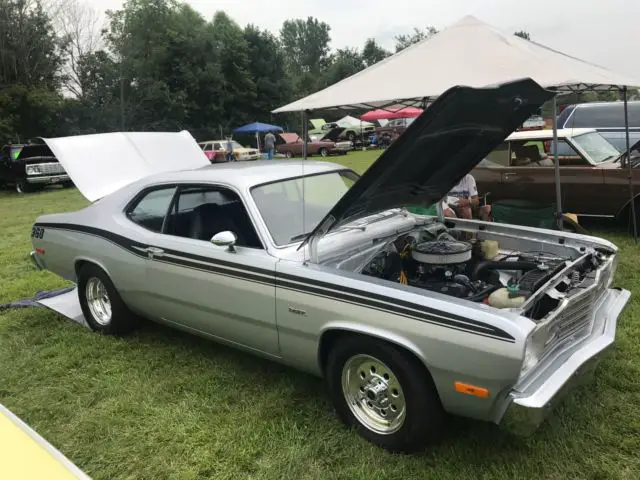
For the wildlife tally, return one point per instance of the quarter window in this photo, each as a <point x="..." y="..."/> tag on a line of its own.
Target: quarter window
<point x="149" y="212"/>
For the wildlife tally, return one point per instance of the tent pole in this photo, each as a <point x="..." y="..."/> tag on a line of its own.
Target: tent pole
<point x="556" y="162"/>
<point x="630" y="168"/>
<point x="305" y="134"/>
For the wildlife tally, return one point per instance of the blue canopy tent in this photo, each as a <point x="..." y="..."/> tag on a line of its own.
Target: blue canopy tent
<point x="257" y="128"/>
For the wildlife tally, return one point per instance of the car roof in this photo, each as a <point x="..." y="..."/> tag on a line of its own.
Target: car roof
<point x="245" y="175"/>
<point x="548" y="133"/>
<point x="600" y="104"/>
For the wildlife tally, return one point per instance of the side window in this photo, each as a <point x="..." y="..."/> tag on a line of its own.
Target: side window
<point x="149" y="212"/>
<point x="498" y="158"/>
<point x="200" y="212"/>
<point x="207" y="147"/>
<point x="609" y="115"/>
<point x="539" y="153"/>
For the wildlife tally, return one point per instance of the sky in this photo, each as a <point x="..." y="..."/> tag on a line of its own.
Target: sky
<point x="606" y="33"/>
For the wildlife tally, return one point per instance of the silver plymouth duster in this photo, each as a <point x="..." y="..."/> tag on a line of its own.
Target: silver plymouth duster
<point x="406" y="317"/>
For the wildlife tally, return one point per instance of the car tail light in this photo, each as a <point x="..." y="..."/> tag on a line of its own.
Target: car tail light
<point x="547" y="146"/>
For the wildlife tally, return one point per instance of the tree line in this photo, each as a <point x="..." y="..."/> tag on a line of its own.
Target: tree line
<point x="160" y="65"/>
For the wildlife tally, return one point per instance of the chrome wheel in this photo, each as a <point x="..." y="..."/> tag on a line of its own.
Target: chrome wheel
<point x="98" y="301"/>
<point x="374" y="394"/>
<point x="323" y="152"/>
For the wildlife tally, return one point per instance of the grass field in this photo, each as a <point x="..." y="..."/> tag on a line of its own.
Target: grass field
<point x="160" y="404"/>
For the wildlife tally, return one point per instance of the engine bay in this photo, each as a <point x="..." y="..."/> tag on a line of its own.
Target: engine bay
<point x="453" y="264"/>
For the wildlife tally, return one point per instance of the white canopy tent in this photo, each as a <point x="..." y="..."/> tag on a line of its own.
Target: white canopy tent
<point x="471" y="53"/>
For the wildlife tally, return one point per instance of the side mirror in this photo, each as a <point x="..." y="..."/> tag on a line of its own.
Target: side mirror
<point x="225" y="239"/>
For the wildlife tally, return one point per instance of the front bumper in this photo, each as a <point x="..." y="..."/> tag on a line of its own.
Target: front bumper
<point x="529" y="404"/>
<point x="48" y="179"/>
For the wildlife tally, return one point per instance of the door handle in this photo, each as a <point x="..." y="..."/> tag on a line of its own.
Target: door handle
<point x="154" y="252"/>
<point x="508" y="175"/>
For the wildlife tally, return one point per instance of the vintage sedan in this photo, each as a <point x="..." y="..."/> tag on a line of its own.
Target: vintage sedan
<point x="406" y="317"/>
<point x="594" y="180"/>
<point x="216" y="151"/>
<point x="291" y="145"/>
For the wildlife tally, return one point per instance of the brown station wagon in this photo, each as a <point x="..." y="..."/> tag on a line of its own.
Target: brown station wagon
<point x="593" y="180"/>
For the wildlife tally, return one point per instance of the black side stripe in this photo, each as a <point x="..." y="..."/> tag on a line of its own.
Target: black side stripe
<point x="304" y="285"/>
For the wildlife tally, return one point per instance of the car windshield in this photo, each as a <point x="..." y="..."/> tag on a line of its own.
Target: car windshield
<point x="292" y="208"/>
<point x="597" y="147"/>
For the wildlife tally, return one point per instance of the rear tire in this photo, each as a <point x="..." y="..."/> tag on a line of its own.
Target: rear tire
<point x="103" y="308"/>
<point x="385" y="393"/>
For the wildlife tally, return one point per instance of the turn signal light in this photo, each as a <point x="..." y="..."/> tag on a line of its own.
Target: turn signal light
<point x="471" y="390"/>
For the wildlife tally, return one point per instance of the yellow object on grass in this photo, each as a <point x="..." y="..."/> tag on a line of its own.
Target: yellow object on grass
<point x="25" y="455"/>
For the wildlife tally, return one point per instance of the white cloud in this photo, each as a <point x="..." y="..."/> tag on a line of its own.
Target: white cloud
<point x="605" y="33"/>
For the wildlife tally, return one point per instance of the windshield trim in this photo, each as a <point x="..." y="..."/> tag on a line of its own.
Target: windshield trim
<point x="286" y="179"/>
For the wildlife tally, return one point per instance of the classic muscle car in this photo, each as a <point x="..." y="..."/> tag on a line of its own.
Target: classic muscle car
<point x="592" y="176"/>
<point x="31" y="167"/>
<point x="291" y="145"/>
<point x="406" y="317"/>
<point x="216" y="151"/>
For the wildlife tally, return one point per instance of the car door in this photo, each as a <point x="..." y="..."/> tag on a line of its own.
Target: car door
<point x="532" y="178"/>
<point x="208" y="289"/>
<point x="488" y="173"/>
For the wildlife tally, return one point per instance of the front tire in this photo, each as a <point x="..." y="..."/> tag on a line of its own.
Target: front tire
<point x="103" y="308"/>
<point x="384" y="393"/>
<point x="288" y="154"/>
<point x="23" y="187"/>
<point x="323" y="152"/>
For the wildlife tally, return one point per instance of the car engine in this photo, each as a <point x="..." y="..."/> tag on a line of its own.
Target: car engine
<point x="444" y="264"/>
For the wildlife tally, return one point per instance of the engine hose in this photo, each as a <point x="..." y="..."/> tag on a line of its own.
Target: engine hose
<point x="488" y="265"/>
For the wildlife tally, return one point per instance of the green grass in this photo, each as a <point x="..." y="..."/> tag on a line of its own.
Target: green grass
<point x="160" y="404"/>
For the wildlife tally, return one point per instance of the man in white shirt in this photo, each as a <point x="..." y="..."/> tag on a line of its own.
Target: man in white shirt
<point x="463" y="201"/>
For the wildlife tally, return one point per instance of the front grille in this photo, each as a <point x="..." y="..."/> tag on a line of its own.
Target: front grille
<point x="574" y="319"/>
<point x="53" y="168"/>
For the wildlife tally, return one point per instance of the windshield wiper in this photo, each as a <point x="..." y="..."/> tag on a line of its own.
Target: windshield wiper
<point x="299" y="237"/>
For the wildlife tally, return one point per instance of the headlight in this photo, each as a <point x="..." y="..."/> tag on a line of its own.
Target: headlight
<point x="33" y="170"/>
<point x="533" y="349"/>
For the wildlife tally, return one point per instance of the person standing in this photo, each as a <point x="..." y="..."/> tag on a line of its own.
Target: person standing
<point x="270" y="144"/>
<point x="230" y="157"/>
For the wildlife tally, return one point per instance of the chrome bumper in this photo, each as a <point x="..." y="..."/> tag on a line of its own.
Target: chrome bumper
<point x="34" y="258"/>
<point x="528" y="406"/>
<point x="48" y="179"/>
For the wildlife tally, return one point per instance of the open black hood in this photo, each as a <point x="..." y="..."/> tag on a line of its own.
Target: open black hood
<point x="439" y="148"/>
<point x="333" y="135"/>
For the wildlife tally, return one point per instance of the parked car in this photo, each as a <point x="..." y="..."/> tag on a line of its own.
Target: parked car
<point x="607" y="118"/>
<point x="392" y="128"/>
<point x="534" y="122"/>
<point x="291" y="145"/>
<point x="406" y="317"/>
<point x="593" y="182"/>
<point x="318" y="128"/>
<point x="216" y="151"/>
<point x="31" y="167"/>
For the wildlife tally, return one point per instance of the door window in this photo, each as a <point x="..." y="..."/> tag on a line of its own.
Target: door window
<point x="151" y="209"/>
<point x="539" y="153"/>
<point x="200" y="212"/>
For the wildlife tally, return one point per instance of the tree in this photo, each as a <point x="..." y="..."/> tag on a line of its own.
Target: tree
<point x="238" y="88"/>
<point x="523" y="34"/>
<point x="346" y="62"/>
<point x="170" y="73"/>
<point x="372" y="53"/>
<point x="306" y="43"/>
<point x="78" y="23"/>
<point x="266" y="67"/>
<point x="30" y="59"/>
<point x="406" y="40"/>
